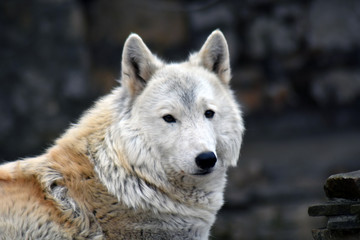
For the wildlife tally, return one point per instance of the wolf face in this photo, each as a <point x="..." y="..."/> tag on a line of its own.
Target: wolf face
<point x="185" y="110"/>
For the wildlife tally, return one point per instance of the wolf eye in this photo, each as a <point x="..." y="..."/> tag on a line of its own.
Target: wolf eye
<point x="169" y="119"/>
<point x="209" y="113"/>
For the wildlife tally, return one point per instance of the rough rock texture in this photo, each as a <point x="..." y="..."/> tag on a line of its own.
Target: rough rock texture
<point x="342" y="210"/>
<point x="345" y="185"/>
<point x="325" y="234"/>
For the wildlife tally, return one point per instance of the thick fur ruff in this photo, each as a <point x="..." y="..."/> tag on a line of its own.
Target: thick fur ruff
<point x="129" y="169"/>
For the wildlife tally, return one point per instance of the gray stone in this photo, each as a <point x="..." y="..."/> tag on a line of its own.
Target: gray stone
<point x="330" y="209"/>
<point x="344" y="222"/>
<point x="326" y="234"/>
<point x="344" y="185"/>
<point x="355" y="209"/>
<point x="343" y="210"/>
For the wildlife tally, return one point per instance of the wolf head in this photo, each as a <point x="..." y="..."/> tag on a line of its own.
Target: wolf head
<point x="185" y="112"/>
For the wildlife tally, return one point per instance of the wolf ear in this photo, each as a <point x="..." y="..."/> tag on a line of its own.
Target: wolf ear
<point x="138" y="64"/>
<point x="214" y="56"/>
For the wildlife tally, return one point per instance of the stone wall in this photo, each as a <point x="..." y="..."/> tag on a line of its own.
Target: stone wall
<point x="295" y="71"/>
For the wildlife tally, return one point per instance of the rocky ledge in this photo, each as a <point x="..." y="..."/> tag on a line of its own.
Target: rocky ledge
<point x="342" y="209"/>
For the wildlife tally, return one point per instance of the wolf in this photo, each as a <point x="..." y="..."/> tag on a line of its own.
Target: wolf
<point x="147" y="161"/>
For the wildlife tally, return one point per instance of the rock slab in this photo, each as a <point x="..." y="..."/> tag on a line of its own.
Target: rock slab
<point x="344" y="185"/>
<point x="342" y="210"/>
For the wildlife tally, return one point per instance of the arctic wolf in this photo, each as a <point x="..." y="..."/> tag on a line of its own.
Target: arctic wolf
<point x="148" y="161"/>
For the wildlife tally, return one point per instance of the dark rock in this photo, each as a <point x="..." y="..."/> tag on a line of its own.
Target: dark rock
<point x="330" y="209"/>
<point x="344" y="185"/>
<point x="355" y="209"/>
<point x="344" y="222"/>
<point x="342" y="210"/>
<point x="326" y="234"/>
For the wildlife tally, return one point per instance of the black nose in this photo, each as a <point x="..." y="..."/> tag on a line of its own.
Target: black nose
<point x="206" y="160"/>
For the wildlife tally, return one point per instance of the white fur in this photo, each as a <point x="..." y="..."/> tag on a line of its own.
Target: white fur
<point x="165" y="152"/>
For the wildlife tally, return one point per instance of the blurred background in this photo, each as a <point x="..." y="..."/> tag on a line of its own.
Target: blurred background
<point x="295" y="70"/>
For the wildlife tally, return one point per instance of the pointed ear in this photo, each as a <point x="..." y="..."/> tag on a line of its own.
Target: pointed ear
<point x="138" y="64"/>
<point x="214" y="56"/>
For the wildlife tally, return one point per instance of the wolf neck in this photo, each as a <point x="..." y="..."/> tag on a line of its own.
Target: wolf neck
<point x="137" y="188"/>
